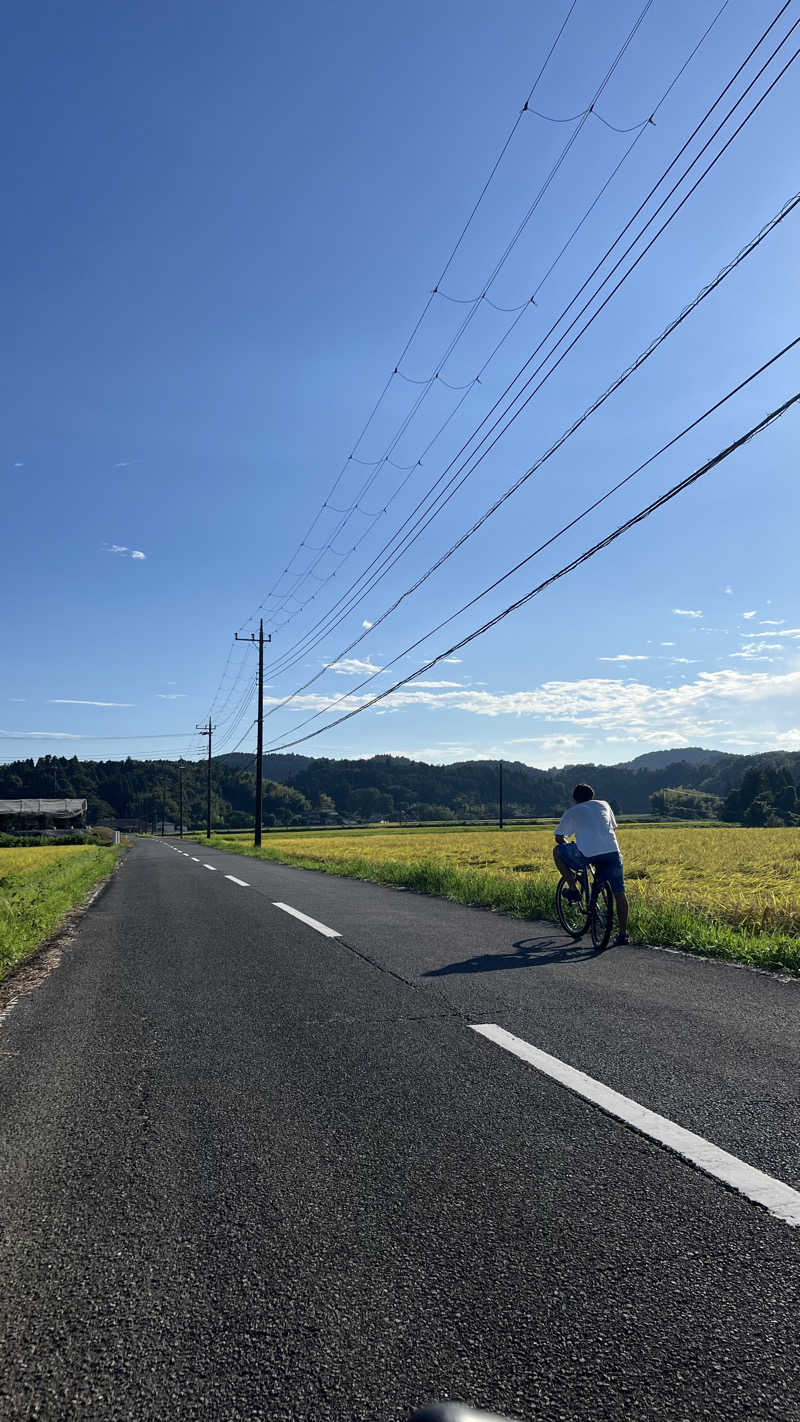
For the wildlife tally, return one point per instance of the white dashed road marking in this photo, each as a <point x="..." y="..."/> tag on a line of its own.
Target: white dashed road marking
<point x="312" y="922"/>
<point x="194" y="861"/>
<point x="210" y="866"/>
<point x="781" y="1200"/>
<point x="234" y="880"/>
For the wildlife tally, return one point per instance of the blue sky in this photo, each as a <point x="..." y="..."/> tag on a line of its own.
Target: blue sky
<point x="222" y="224"/>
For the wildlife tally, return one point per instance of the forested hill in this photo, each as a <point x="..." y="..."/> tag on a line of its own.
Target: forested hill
<point x="301" y="788"/>
<point x="690" y="755"/>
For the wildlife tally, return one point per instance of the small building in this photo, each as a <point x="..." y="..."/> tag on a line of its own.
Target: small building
<point x="30" y="816"/>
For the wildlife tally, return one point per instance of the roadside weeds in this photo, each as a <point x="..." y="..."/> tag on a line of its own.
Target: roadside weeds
<point x="40" y="904"/>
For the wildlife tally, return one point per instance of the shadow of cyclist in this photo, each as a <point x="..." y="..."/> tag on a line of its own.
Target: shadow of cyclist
<point x="529" y="953"/>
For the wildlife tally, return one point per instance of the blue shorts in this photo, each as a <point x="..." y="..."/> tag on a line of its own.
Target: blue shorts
<point x="607" y="866"/>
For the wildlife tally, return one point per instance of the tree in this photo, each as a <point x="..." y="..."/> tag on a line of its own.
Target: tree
<point x="684" y="803"/>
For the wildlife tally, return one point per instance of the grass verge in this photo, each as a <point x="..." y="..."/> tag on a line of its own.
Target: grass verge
<point x="532" y="896"/>
<point x="36" y="896"/>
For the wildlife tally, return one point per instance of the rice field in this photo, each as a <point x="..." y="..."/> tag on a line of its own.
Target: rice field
<point x="38" y="886"/>
<point x="721" y="890"/>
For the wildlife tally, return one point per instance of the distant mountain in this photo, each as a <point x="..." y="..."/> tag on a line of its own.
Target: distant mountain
<point x="686" y="755"/>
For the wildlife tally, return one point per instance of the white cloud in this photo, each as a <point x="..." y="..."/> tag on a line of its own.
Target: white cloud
<point x="754" y="652"/>
<point x="772" y="622"/>
<point x="666" y="644"/>
<point x="115" y="548"/>
<point x="748" y="615"/>
<point x="42" y="735"/>
<point x="793" y="632"/>
<point x="366" y="625"/>
<point x="70" y="701"/>
<point x="687" y="661"/>
<point x="648" y="714"/>
<point x="170" y="695"/>
<point x="353" y="666"/>
<point x="624" y="657"/>
<point x="548" y="743"/>
<point x="451" y="661"/>
<point x="18" y="464"/>
<point x="434" y="685"/>
<point x="17" y="698"/>
<point x="686" y="612"/>
<point x="728" y="590"/>
<point x="137" y="553"/>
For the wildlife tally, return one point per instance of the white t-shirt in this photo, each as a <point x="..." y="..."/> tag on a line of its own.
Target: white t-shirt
<point x="592" y="823"/>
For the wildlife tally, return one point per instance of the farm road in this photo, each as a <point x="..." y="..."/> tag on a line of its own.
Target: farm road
<point x="249" y="1170"/>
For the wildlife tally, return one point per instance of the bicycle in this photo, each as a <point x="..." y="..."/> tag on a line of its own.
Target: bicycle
<point x="593" y="909"/>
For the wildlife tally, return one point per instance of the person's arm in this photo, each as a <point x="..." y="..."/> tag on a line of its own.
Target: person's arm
<point x="562" y="828"/>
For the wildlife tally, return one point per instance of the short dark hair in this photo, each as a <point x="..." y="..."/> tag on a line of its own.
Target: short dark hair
<point x="583" y="792"/>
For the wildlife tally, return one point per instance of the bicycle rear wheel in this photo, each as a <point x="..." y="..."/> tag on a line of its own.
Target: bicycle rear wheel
<point x="573" y="917"/>
<point x="602" y="915"/>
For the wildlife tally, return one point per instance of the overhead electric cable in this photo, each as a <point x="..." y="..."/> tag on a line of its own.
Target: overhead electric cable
<point x="428" y="383"/>
<point x="447" y="264"/>
<point x="570" y="567"/>
<point x="745" y="252"/>
<point x="566" y="528"/>
<point x="407" y="539"/>
<point x="408" y="469"/>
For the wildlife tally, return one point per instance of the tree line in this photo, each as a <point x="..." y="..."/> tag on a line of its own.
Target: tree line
<point x="300" y="789"/>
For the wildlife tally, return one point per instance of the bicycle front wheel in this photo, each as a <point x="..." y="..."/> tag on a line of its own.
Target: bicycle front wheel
<point x="602" y="916"/>
<point x="573" y="917"/>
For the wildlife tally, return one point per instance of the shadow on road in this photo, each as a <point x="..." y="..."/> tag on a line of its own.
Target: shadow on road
<point x="529" y="953"/>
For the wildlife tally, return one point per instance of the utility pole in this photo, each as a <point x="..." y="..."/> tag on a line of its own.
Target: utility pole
<point x="500" y="792"/>
<point x="163" y="795"/>
<point x="180" y="797"/>
<point x="206" y="731"/>
<point x="260" y="742"/>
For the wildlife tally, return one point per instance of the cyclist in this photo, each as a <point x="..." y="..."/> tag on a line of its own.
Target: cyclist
<point x="592" y="823"/>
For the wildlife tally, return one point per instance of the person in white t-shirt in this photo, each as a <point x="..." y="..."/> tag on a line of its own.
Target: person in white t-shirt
<point x="592" y="823"/>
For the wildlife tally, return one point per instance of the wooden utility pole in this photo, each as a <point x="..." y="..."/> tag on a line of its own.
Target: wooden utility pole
<point x="180" y="797"/>
<point x="260" y="719"/>
<point x="206" y="731"/>
<point x="500" y="792"/>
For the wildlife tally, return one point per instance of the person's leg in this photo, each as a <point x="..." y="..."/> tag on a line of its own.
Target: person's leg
<point x="622" y="913"/>
<point x="563" y="868"/>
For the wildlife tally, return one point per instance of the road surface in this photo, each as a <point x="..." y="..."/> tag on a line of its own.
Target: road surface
<point x="249" y="1169"/>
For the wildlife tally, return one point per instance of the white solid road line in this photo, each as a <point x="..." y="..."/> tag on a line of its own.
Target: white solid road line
<point x="312" y="922"/>
<point x="210" y="866"/>
<point x="781" y="1200"/>
<point x="234" y="880"/>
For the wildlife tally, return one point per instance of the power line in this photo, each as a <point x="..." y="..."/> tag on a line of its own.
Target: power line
<point x="345" y="555"/>
<point x="706" y="291"/>
<point x="459" y="333"/>
<point x="570" y="567"/>
<point x="408" y="470"/>
<point x="310" y="639"/>
<point x="430" y="299"/>
<point x="566" y="528"/>
<point x="443" y="273"/>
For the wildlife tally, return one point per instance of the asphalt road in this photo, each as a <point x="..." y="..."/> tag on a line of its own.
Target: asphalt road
<point x="248" y="1170"/>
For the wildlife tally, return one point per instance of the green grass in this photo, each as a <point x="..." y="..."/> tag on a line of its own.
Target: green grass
<point x="36" y="896"/>
<point x="531" y="895"/>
